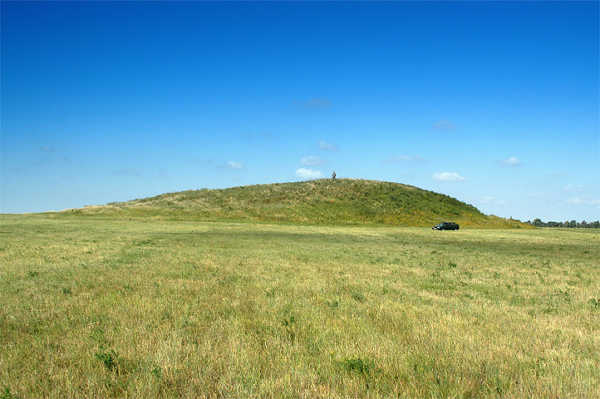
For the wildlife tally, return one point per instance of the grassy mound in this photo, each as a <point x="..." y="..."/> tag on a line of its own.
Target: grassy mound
<point x="320" y="202"/>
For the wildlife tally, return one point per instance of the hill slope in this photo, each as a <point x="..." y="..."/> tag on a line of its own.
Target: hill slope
<point x="325" y="201"/>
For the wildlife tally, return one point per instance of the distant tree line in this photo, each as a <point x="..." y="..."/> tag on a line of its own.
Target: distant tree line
<point x="574" y="224"/>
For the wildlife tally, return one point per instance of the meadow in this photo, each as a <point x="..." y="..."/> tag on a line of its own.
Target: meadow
<point x="327" y="202"/>
<point x="95" y="307"/>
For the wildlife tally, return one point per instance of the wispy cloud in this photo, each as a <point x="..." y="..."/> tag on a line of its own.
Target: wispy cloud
<point x="573" y="188"/>
<point x="405" y="158"/>
<point x="444" y="125"/>
<point x="258" y="136"/>
<point x="487" y="199"/>
<point x="127" y="172"/>
<point x="163" y="173"/>
<point x="511" y="161"/>
<point x="315" y="103"/>
<point x="234" y="165"/>
<point x="47" y="148"/>
<point x="327" y="146"/>
<point x="584" y="201"/>
<point x="306" y="173"/>
<point x="491" y="200"/>
<point x="448" y="176"/>
<point x="311" y="160"/>
<point x="205" y="162"/>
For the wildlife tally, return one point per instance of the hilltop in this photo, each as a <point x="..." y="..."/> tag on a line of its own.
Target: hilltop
<point x="322" y="202"/>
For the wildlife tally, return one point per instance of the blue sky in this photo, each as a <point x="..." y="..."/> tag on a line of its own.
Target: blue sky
<point x="494" y="103"/>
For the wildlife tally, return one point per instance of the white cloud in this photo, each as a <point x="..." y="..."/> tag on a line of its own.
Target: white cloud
<point x="448" y="176"/>
<point x="317" y="103"/>
<point x="234" y="165"/>
<point x="406" y="158"/>
<point x="584" y="201"/>
<point x="327" y="146"/>
<point x="46" y="148"/>
<point x="305" y="173"/>
<point x="131" y="172"/>
<point x="573" y="187"/>
<point x="511" y="161"/>
<point x="491" y="200"/>
<point x="443" y="125"/>
<point x="311" y="160"/>
<point x="487" y="199"/>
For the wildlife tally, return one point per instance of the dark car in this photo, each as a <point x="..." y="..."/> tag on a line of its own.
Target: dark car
<point x="445" y="226"/>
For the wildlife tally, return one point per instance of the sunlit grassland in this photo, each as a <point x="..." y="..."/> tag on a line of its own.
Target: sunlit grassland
<point x="350" y="202"/>
<point x="93" y="308"/>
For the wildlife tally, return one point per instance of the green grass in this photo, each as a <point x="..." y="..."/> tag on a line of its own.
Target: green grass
<point x="316" y="202"/>
<point x="94" y="308"/>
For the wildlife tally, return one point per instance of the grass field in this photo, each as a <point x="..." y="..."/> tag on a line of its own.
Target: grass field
<point x="94" y="308"/>
<point x="351" y="202"/>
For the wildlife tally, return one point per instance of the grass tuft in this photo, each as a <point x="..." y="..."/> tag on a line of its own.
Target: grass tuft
<point x="108" y="359"/>
<point x="6" y="394"/>
<point x="358" y="365"/>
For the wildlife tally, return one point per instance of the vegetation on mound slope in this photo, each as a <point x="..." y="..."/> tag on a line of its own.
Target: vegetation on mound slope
<point x="324" y="201"/>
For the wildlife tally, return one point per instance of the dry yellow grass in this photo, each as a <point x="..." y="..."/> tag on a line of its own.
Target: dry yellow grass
<point x="94" y="308"/>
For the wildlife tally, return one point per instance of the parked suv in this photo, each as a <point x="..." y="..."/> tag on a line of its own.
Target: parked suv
<point x="445" y="226"/>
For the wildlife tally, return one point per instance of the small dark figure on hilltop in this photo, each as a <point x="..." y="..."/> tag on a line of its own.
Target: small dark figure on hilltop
<point x="333" y="175"/>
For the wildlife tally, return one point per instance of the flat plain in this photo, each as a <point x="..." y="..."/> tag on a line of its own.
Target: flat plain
<point x="99" y="307"/>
